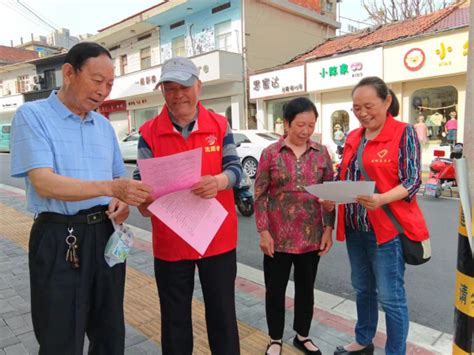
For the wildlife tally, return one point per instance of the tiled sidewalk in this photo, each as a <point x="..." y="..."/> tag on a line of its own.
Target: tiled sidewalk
<point x="141" y="301"/>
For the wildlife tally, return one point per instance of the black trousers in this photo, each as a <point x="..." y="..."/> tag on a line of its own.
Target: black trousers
<point x="66" y="303"/>
<point x="277" y="273"/>
<point x="175" y="280"/>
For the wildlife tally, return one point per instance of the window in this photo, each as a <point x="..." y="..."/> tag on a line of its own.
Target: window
<point x="223" y="33"/>
<point x="22" y="84"/>
<point x="430" y="110"/>
<point x="178" y="47"/>
<point x="240" y="138"/>
<point x="49" y="79"/>
<point x="340" y="126"/>
<point x="145" y="58"/>
<point x="123" y="64"/>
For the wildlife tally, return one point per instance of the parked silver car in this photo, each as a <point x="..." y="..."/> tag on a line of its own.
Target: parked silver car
<point x="128" y="146"/>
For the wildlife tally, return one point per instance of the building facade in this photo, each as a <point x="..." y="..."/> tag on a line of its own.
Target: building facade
<point x="426" y="70"/>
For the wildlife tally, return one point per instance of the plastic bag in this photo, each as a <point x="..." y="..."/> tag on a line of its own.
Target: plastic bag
<point x="119" y="244"/>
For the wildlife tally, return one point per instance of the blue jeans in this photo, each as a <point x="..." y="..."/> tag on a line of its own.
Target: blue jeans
<point x="377" y="275"/>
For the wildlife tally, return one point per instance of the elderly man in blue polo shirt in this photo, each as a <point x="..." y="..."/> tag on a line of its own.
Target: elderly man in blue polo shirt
<point x="69" y="157"/>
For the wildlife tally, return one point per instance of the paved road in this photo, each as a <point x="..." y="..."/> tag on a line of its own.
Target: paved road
<point x="430" y="287"/>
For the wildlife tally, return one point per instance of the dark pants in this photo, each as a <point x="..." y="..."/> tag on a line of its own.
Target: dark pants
<point x="66" y="303"/>
<point x="175" y="280"/>
<point x="277" y="272"/>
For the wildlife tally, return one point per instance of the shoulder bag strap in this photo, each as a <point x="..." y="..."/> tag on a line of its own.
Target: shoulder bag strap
<point x="387" y="210"/>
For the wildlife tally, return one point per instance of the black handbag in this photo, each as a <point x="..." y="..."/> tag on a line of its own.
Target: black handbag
<point x="414" y="252"/>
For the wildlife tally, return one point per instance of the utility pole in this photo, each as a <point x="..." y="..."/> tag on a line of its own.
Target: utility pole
<point x="463" y="338"/>
<point x="469" y="118"/>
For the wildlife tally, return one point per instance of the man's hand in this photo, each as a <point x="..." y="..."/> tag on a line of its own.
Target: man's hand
<point x="206" y="188"/>
<point x="266" y="243"/>
<point x="326" y="241"/>
<point x="118" y="211"/>
<point x="129" y="191"/>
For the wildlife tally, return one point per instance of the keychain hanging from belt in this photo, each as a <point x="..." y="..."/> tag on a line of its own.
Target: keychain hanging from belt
<point x="72" y="254"/>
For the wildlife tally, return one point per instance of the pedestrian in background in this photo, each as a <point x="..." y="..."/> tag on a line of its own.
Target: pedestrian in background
<point x="71" y="162"/>
<point x="185" y="124"/>
<point x="421" y="129"/>
<point x="390" y="153"/>
<point x="451" y="128"/>
<point x="294" y="228"/>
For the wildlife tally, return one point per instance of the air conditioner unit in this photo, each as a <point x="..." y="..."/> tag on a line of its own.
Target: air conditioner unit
<point x="33" y="87"/>
<point x="38" y="79"/>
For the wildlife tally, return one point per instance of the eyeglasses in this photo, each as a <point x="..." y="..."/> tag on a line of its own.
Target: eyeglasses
<point x="369" y="107"/>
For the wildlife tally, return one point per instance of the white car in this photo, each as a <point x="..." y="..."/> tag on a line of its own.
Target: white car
<point x="250" y="144"/>
<point x="128" y="146"/>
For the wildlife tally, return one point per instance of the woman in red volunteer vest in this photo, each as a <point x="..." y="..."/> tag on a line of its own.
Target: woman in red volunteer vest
<point x="391" y="157"/>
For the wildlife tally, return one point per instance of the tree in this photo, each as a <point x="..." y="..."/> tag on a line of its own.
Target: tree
<point x="384" y="11"/>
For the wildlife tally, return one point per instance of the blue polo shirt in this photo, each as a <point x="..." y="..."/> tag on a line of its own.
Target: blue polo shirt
<point x="46" y="134"/>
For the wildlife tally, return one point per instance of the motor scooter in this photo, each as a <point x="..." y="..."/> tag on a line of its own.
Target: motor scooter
<point x="243" y="196"/>
<point x="442" y="174"/>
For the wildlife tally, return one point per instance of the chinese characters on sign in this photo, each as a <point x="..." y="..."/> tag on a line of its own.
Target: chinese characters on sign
<point x="274" y="83"/>
<point x="265" y="83"/>
<point x="464" y="294"/>
<point x="136" y="102"/>
<point x="343" y="69"/>
<point x="278" y="82"/>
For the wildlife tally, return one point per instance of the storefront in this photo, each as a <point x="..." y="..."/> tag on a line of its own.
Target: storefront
<point x="220" y="74"/>
<point x="429" y="74"/>
<point x="271" y="91"/>
<point x="330" y="82"/>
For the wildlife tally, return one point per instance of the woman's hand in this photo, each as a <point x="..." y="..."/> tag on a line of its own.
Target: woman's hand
<point x="326" y="241"/>
<point x="327" y="205"/>
<point x="266" y="243"/>
<point x="371" y="202"/>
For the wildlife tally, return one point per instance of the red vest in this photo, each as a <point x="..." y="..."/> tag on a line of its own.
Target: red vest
<point x="163" y="139"/>
<point x="380" y="159"/>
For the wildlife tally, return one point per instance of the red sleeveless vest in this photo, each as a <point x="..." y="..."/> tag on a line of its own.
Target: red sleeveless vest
<point x="163" y="139"/>
<point x="380" y="159"/>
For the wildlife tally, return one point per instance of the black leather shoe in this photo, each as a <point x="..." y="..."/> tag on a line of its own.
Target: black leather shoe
<point x="368" y="350"/>
<point x="300" y="344"/>
<point x="279" y="343"/>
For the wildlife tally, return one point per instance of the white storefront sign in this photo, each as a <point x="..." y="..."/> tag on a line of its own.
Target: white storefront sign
<point x="343" y="71"/>
<point x="278" y="82"/>
<point x="10" y="103"/>
<point x="214" y="67"/>
<point x="438" y="56"/>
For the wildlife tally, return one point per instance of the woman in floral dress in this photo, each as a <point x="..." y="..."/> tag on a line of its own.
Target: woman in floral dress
<point x="295" y="229"/>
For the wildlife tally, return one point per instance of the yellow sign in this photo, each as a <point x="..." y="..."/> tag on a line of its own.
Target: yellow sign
<point x="464" y="294"/>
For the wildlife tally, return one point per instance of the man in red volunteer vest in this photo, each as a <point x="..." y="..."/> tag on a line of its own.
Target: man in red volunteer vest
<point x="185" y="124"/>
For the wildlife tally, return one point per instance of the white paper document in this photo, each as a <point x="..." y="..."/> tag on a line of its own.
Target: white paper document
<point x="193" y="218"/>
<point x="196" y="220"/>
<point x="342" y="191"/>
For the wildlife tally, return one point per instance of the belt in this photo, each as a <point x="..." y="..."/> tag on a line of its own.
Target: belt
<point x="89" y="218"/>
